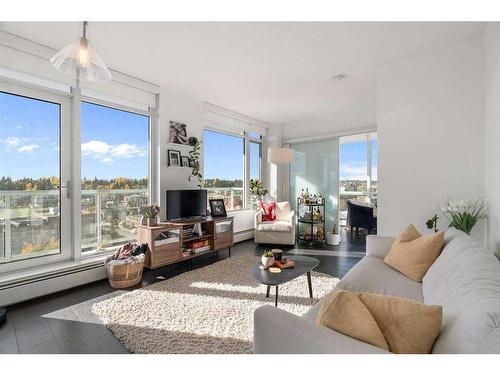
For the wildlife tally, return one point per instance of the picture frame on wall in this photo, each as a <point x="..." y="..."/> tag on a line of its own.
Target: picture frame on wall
<point x="217" y="208"/>
<point x="174" y="158"/>
<point x="184" y="161"/>
<point x="178" y="133"/>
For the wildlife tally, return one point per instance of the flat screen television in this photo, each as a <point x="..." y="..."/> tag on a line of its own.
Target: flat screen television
<point x="183" y="204"/>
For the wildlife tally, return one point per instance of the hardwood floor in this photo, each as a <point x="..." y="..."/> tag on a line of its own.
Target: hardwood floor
<point x="64" y="323"/>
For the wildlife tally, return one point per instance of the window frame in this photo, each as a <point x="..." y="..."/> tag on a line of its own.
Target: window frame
<point x="7" y="263"/>
<point x="151" y="188"/>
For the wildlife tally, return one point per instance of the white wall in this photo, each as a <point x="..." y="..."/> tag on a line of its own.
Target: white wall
<point x="492" y="133"/>
<point x="430" y="116"/>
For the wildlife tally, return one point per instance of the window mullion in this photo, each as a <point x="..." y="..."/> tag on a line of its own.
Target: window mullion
<point x="76" y="199"/>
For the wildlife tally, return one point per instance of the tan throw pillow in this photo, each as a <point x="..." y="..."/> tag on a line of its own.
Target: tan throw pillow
<point x="395" y="324"/>
<point x="409" y="327"/>
<point x="343" y="312"/>
<point x="412" y="254"/>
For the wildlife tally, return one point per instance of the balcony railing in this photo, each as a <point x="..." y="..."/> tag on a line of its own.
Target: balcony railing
<point x="30" y="220"/>
<point x="233" y="196"/>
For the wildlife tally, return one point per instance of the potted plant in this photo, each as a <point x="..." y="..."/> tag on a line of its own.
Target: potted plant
<point x="258" y="190"/>
<point x="267" y="259"/>
<point x="333" y="237"/>
<point x="432" y="223"/>
<point x="463" y="215"/>
<point x="149" y="213"/>
<point x="194" y="156"/>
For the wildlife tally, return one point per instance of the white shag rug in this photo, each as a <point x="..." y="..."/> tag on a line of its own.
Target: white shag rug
<point x="207" y="310"/>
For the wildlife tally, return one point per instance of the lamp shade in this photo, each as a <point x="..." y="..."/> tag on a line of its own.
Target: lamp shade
<point x="280" y="155"/>
<point x="80" y="60"/>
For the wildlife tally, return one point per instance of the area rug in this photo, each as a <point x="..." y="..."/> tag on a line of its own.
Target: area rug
<point x="208" y="310"/>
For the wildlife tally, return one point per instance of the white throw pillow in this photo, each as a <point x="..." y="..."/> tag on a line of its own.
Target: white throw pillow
<point x="283" y="211"/>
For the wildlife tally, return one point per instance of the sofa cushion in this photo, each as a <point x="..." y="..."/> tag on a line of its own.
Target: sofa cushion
<point x="268" y="211"/>
<point x="344" y="312"/>
<point x="465" y="280"/>
<point x="275" y="226"/>
<point x="283" y="211"/>
<point x="408" y="326"/>
<point x="372" y="275"/>
<point x="412" y="254"/>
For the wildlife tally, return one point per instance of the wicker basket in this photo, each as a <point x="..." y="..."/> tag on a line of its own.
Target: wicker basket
<point x="125" y="275"/>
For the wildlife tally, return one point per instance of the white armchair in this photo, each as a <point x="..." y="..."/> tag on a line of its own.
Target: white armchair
<point x="281" y="231"/>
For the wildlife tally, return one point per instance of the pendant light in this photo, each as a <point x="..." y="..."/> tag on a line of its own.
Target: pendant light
<point x="81" y="61"/>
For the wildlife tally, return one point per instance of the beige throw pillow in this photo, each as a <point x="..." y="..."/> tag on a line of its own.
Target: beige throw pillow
<point x="412" y="254"/>
<point x="395" y="324"/>
<point x="408" y="326"/>
<point x="343" y="312"/>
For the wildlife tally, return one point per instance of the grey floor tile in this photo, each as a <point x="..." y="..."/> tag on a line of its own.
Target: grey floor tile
<point x="45" y="347"/>
<point x="79" y="347"/>
<point x="8" y="340"/>
<point x="31" y="333"/>
<point x="109" y="344"/>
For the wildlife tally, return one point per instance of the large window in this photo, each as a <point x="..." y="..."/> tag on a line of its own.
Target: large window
<point x="227" y="170"/>
<point x="114" y="170"/>
<point x="31" y="171"/>
<point x="224" y="168"/>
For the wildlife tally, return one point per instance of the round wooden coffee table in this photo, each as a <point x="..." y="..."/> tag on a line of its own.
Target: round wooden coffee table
<point x="303" y="265"/>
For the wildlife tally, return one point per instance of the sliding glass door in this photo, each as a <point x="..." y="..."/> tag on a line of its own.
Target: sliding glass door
<point x="316" y="168"/>
<point x="35" y="220"/>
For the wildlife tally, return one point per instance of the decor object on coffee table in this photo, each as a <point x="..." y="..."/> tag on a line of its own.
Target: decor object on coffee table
<point x="463" y="215"/>
<point x="281" y="231"/>
<point x="303" y="265"/>
<point x="267" y="259"/>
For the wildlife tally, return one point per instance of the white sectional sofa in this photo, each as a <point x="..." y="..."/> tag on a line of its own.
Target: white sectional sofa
<point x="464" y="280"/>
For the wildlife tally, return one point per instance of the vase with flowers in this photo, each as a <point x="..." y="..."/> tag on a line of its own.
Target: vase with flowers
<point x="464" y="215"/>
<point x="258" y="190"/>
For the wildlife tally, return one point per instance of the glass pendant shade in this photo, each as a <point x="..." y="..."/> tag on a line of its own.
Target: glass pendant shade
<point x="81" y="61"/>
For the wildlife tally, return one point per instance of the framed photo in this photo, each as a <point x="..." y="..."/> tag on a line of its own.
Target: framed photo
<point x="178" y="133"/>
<point x="174" y="158"/>
<point x="192" y="162"/>
<point x="184" y="161"/>
<point x="217" y="208"/>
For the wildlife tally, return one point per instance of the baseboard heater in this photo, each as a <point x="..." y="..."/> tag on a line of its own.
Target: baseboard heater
<point x="41" y="284"/>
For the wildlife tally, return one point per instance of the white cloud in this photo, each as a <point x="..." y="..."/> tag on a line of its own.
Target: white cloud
<point x="12" y="141"/>
<point x="107" y="153"/>
<point x="27" y="148"/>
<point x="128" y="151"/>
<point x="95" y="147"/>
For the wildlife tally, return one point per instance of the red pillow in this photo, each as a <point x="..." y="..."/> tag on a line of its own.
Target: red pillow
<point x="269" y="211"/>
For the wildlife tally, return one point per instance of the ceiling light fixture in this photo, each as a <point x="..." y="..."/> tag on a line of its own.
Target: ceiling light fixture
<point x="81" y="61"/>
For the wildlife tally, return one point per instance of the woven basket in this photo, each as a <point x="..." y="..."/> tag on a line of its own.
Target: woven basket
<point x="125" y="275"/>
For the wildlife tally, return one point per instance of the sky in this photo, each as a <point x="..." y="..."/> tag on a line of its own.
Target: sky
<point x="352" y="160"/>
<point x="114" y="143"/>
<point x="223" y="156"/>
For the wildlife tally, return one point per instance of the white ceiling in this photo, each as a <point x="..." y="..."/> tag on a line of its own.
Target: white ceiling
<point x="277" y="72"/>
